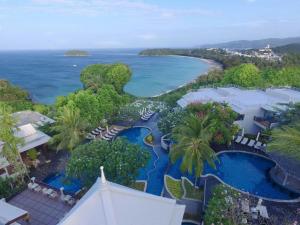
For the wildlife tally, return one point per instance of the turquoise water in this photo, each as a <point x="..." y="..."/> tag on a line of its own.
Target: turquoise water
<point x="47" y="74"/>
<point x="71" y="186"/>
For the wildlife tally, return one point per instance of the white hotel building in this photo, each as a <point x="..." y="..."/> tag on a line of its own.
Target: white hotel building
<point x="256" y="108"/>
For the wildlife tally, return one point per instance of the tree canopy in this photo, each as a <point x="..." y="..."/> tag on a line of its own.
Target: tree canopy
<point x="120" y="159"/>
<point x="95" y="76"/>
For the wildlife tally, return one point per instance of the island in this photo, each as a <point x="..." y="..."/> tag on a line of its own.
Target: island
<point x="76" y="53"/>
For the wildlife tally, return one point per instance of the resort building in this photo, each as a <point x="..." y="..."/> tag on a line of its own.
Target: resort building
<point x="107" y="203"/>
<point x="257" y="109"/>
<point x="26" y="129"/>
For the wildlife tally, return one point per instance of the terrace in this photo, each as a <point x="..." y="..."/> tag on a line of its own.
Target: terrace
<point x="41" y="209"/>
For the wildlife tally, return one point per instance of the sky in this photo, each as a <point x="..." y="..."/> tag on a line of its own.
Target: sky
<point x="92" y="24"/>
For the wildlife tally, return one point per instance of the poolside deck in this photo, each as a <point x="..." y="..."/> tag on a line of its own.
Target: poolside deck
<point x="42" y="210"/>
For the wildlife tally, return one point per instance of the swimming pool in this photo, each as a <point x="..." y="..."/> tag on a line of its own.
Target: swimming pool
<point x="249" y="173"/>
<point x="70" y="185"/>
<point x="154" y="171"/>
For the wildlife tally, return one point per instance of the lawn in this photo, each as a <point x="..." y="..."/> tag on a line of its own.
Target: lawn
<point x="191" y="191"/>
<point x="174" y="187"/>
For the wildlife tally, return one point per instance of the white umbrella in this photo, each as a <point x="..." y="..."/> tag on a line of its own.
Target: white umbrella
<point x="257" y="137"/>
<point x="62" y="195"/>
<point x="243" y="132"/>
<point x="106" y="128"/>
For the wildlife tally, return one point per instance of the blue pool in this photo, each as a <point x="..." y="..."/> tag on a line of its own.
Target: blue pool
<point x="154" y="172"/>
<point x="249" y="173"/>
<point x="70" y="185"/>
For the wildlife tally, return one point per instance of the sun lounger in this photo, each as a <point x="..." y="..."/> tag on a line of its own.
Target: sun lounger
<point x="71" y="201"/>
<point x="107" y="135"/>
<point x="244" y="141"/>
<point x="31" y="185"/>
<point x="101" y="128"/>
<point x="251" y="143"/>
<point x="117" y="129"/>
<point x="98" y="130"/>
<point x="53" y="195"/>
<point x="95" y="132"/>
<point x="67" y="198"/>
<point x="238" y="139"/>
<point x="45" y="191"/>
<point x="112" y="131"/>
<point x="107" y="139"/>
<point x="258" y="145"/>
<point x="38" y="188"/>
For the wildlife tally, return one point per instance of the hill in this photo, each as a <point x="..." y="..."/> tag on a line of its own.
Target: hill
<point x="254" y="44"/>
<point x="76" y="53"/>
<point x="288" y="49"/>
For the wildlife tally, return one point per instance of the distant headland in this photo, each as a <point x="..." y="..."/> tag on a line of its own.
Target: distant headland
<point x="76" y="53"/>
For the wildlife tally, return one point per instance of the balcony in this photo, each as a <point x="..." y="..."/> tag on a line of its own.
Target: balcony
<point x="266" y="122"/>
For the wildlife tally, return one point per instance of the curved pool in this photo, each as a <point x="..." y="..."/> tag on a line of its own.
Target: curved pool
<point x="249" y="173"/>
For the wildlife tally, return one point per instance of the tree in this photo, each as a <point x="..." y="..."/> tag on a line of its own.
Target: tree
<point x="121" y="160"/>
<point x="223" y="207"/>
<point x="10" y="148"/>
<point x="170" y="119"/>
<point x="69" y="128"/>
<point x="286" y="140"/>
<point x="221" y="116"/>
<point x="192" y="140"/>
<point x="244" y="75"/>
<point x="95" y="76"/>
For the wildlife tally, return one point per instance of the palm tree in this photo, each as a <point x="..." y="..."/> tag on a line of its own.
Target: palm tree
<point x="69" y="128"/>
<point x="193" y="144"/>
<point x="286" y="140"/>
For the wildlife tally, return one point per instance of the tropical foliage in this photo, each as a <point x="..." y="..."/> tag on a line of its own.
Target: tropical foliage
<point x="9" y="187"/>
<point x="11" y="142"/>
<point x="286" y="140"/>
<point x="222" y="207"/>
<point x="69" y="128"/>
<point x="120" y="159"/>
<point x="170" y="119"/>
<point x="221" y="116"/>
<point x="192" y="139"/>
<point x="14" y="96"/>
<point x="95" y="76"/>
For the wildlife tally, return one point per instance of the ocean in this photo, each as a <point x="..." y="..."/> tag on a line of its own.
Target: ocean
<point x="48" y="74"/>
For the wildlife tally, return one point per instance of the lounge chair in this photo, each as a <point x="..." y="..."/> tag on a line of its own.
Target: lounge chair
<point x="45" y="191"/>
<point x="251" y="143"/>
<point x="95" y="132"/>
<point x="244" y="141"/>
<point x="107" y="135"/>
<point x="105" y="138"/>
<point x="117" y="129"/>
<point x="238" y="139"/>
<point x="100" y="128"/>
<point x="112" y="131"/>
<point x="67" y="198"/>
<point x="71" y="201"/>
<point x="53" y="195"/>
<point x="258" y="145"/>
<point x="38" y="188"/>
<point x="90" y="136"/>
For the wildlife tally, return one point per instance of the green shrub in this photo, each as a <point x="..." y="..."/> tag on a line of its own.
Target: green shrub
<point x="32" y="154"/>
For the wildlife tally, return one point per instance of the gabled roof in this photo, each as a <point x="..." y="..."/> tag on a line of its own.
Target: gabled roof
<point x="107" y="203"/>
<point x="10" y="213"/>
<point x="35" y="118"/>
<point x="32" y="137"/>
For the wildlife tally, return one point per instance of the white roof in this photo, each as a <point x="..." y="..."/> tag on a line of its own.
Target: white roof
<point x="242" y="99"/>
<point x="32" y="137"/>
<point x="10" y="213"/>
<point x="108" y="203"/>
<point x="35" y="118"/>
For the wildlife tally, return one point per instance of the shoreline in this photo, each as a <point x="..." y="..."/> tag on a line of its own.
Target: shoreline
<point x="212" y="65"/>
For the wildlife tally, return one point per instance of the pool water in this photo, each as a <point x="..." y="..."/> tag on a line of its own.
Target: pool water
<point x="155" y="169"/>
<point x="249" y="173"/>
<point x="70" y="185"/>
